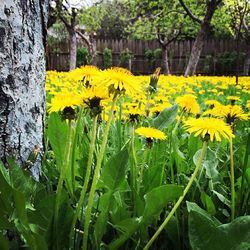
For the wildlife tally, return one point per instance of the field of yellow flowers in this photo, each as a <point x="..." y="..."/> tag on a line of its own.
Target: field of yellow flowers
<point x="142" y="162"/>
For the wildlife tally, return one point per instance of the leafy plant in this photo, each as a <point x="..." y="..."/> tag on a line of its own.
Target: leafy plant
<point x="83" y="57"/>
<point x="107" y="58"/>
<point x="125" y="58"/>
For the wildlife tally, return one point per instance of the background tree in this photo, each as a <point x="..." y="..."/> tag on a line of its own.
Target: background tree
<point x="113" y="18"/>
<point x="22" y="79"/>
<point x="239" y="11"/>
<point x="246" y="25"/>
<point x="80" y="20"/>
<point x="210" y="7"/>
<point x="162" y="20"/>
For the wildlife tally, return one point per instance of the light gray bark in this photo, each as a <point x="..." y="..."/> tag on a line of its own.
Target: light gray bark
<point x="92" y="48"/>
<point x="247" y="65"/>
<point x="22" y="79"/>
<point x="200" y="38"/>
<point x="72" y="50"/>
<point x="166" y="69"/>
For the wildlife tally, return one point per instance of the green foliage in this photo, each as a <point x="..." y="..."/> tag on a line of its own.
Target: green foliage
<point x="223" y="63"/>
<point x="127" y="210"/>
<point x="153" y="55"/>
<point x="107" y="58"/>
<point x="205" y="232"/>
<point x="125" y="58"/>
<point x="165" y="118"/>
<point x="83" y="57"/>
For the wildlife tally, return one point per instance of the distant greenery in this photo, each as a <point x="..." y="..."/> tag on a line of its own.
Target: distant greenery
<point x="125" y="56"/>
<point x="107" y="58"/>
<point x="83" y="57"/>
<point x="222" y="63"/>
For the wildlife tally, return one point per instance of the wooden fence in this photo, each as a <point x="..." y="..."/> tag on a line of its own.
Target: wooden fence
<point x="218" y="57"/>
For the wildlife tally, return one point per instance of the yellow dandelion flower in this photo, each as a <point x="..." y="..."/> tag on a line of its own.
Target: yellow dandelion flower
<point x="188" y="103"/>
<point x="159" y="107"/>
<point x="63" y="100"/>
<point x="85" y="73"/>
<point x="212" y="103"/>
<point x="92" y="98"/>
<point x="233" y="98"/>
<point x="248" y="104"/>
<point x="150" y="133"/>
<point x="120" y="80"/>
<point x="212" y="127"/>
<point x="230" y="112"/>
<point x="134" y="113"/>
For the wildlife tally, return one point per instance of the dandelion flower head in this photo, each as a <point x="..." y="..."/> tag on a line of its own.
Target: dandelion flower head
<point x="213" y="127"/>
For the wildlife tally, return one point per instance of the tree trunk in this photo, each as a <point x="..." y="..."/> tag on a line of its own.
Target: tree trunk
<point x="166" y="69"/>
<point x="72" y="49"/>
<point x="22" y="79"/>
<point x="200" y="38"/>
<point x="92" y="48"/>
<point x="247" y="65"/>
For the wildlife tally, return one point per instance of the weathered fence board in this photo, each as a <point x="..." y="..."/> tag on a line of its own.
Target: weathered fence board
<point x="179" y="52"/>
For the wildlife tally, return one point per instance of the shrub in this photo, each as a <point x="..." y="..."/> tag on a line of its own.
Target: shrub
<point x="125" y="56"/>
<point x="82" y="57"/>
<point x="107" y="58"/>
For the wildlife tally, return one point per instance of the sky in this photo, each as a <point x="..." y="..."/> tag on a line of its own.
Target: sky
<point x="80" y="3"/>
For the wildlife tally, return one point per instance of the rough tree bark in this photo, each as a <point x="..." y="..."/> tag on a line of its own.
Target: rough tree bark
<point x="247" y="65"/>
<point x="200" y="38"/>
<point x="166" y="69"/>
<point x="72" y="49"/>
<point x="165" y="40"/>
<point x="71" y="28"/>
<point x="22" y="79"/>
<point x="247" y="59"/>
<point x="92" y="47"/>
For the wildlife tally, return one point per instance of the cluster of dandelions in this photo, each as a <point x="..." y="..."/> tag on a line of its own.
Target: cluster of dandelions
<point x="203" y="110"/>
<point x="93" y="89"/>
<point x="89" y="87"/>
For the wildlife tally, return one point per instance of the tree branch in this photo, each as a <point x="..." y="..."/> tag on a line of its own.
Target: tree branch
<point x="246" y="27"/>
<point x="188" y="11"/>
<point x="63" y="19"/>
<point x="85" y="38"/>
<point x="174" y="37"/>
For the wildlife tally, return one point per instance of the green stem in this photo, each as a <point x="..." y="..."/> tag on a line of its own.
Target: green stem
<point x="244" y="168"/>
<point x="95" y="177"/>
<point x="177" y="204"/>
<point x="178" y="123"/>
<point x="244" y="206"/>
<point x="174" y="159"/>
<point x="133" y="170"/>
<point x="87" y="175"/>
<point x="145" y="158"/>
<point x="63" y="171"/>
<point x="198" y="181"/>
<point x="232" y="180"/>
<point x="74" y="146"/>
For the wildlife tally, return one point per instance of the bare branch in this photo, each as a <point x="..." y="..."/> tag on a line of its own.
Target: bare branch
<point x="98" y="2"/>
<point x="63" y="19"/>
<point x="246" y="27"/>
<point x="174" y="37"/>
<point x="188" y="11"/>
<point x="85" y="38"/>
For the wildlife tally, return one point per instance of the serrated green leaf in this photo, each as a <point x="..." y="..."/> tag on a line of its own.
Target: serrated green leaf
<point x="165" y="118"/>
<point x="113" y="173"/>
<point x="210" y="164"/>
<point x="158" y="198"/>
<point x="127" y="228"/>
<point x="206" y="233"/>
<point x="112" y="177"/>
<point x="57" y="134"/>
